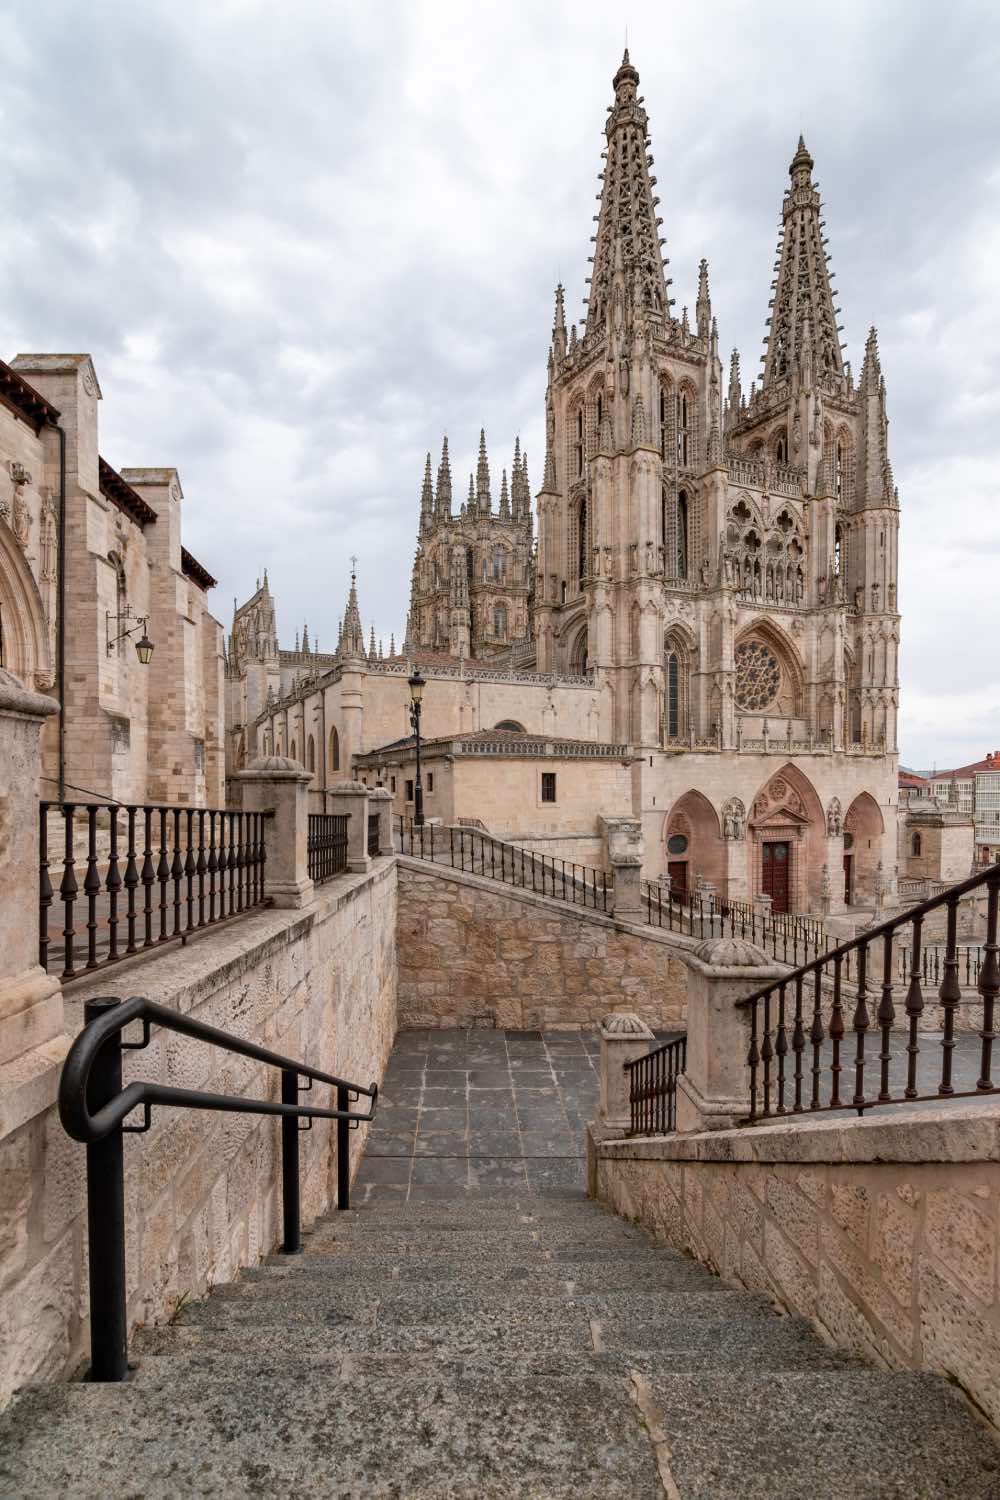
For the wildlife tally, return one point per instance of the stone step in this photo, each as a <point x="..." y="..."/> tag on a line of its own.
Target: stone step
<point x="823" y="1435"/>
<point x="752" y="1343"/>
<point x="439" y="1438"/>
<point x="532" y="1275"/>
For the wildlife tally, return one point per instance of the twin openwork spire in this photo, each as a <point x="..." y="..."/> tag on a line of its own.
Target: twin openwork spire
<point x="628" y="229"/>
<point x="515" y="495"/>
<point x="803" y="336"/>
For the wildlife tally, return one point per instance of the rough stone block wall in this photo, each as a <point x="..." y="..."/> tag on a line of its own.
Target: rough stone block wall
<point x="472" y="952"/>
<point x="894" y="1260"/>
<point x="202" y="1190"/>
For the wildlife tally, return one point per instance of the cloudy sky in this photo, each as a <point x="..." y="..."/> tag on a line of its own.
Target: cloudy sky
<point x="302" y="240"/>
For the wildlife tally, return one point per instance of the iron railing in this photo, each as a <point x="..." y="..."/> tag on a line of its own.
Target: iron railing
<point x="809" y="1011"/>
<point x="144" y="875"/>
<point x="373" y="838"/>
<point x="652" y="1088"/>
<point x="326" y="845"/>
<point x="93" y="1106"/>
<point x="478" y="853"/>
<point x="788" y="938"/>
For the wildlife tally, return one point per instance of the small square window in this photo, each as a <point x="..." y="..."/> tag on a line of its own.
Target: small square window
<point x="548" y="786"/>
<point x="430" y="781"/>
<point x="409" y="791"/>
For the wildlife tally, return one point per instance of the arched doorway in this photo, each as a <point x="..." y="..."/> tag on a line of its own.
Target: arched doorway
<point x="24" y="640"/>
<point x="863" y="829"/>
<point x="786" y="846"/>
<point x="693" y="850"/>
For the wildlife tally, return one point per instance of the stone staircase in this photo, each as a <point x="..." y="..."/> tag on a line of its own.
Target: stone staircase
<point x="476" y="1329"/>
<point x="525" y="1347"/>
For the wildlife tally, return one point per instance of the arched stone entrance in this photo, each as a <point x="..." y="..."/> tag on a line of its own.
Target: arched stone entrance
<point x="786" y="842"/>
<point x="24" y="639"/>
<point x="863" y="830"/>
<point x="693" y="849"/>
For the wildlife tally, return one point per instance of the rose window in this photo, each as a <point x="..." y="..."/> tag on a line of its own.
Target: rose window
<point x="758" y="676"/>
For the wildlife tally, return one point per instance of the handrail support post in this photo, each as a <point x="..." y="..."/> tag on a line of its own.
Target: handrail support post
<point x="290" y="1195"/>
<point x="343" y="1151"/>
<point x="106" y="1215"/>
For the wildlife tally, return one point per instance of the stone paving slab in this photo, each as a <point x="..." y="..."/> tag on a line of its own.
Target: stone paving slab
<point x="471" y="1438"/>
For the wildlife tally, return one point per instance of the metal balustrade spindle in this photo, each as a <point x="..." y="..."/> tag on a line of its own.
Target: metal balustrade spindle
<point x="177" y="870"/>
<point x="92" y="886"/>
<point x="798" y="1044"/>
<point x="131" y="878"/>
<point x="914" y="1007"/>
<point x="189" y="869"/>
<point x="67" y="891"/>
<point x="860" y="1024"/>
<point x="113" y="883"/>
<point x="837" y="1032"/>
<point x="989" y="986"/>
<point x="817" y="1036"/>
<point x="950" y="996"/>
<point x="44" y="885"/>
<point x="781" y="1050"/>
<point x="886" y="1016"/>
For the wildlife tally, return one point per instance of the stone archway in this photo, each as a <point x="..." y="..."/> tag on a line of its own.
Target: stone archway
<point x="23" y="633"/>
<point x="693" y="849"/>
<point x="863" y="830"/>
<point x="786" y="842"/>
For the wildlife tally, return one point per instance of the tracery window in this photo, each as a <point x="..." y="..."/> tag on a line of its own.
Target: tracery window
<point x="838" y="471"/>
<point x="781" y="450"/>
<point x="500" y="622"/>
<point x="838" y="544"/>
<point x="582" y="542"/>
<point x="758" y="676"/>
<point x="682" y="534"/>
<point x="499" y="565"/>
<point x="683" y="430"/>
<point x="673" y="714"/>
<point x="664" y="409"/>
<point x="579" y="441"/>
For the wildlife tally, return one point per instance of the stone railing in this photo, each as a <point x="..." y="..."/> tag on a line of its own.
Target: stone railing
<point x="781" y="479"/>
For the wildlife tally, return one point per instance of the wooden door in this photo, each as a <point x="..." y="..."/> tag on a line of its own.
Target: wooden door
<point x="774" y="878"/>
<point x="678" y="871"/>
<point x="848" y="877"/>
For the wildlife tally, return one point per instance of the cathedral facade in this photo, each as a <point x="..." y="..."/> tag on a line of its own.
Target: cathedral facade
<point x="715" y="566"/>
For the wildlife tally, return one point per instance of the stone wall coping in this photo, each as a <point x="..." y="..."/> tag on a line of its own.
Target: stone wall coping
<point x="681" y="945"/>
<point x="180" y="977"/>
<point x="956" y="1133"/>
<point x="15" y="698"/>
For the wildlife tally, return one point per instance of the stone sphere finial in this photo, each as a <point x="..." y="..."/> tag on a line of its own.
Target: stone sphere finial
<point x="624" y="1024"/>
<point x="731" y="953"/>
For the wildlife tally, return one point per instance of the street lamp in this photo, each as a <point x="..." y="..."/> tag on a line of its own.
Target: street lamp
<point x="143" y="646"/>
<point x="417" y="685"/>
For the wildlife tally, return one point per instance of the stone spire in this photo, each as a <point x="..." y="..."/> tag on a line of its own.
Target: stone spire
<point x="559" y="325"/>
<point x="484" y="500"/>
<point x="628" y="235"/>
<point x="549" y="472"/>
<point x="372" y="653"/>
<point x="469" y="506"/>
<point x="734" y="396"/>
<point x="875" y="480"/>
<point x="426" y="499"/>
<point x="442" y="506"/>
<point x="305" y="636"/>
<point x="703" y="307"/>
<point x="352" y="635"/>
<point x="504" y="498"/>
<point x="392" y="643"/>
<point x="803" y="294"/>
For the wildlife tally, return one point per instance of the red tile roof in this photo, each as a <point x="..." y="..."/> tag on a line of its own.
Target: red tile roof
<point x="965" y="773"/>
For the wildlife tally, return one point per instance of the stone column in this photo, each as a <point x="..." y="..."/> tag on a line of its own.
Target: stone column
<point x="382" y="798"/>
<point x="274" y="784"/>
<point x="31" y="1007"/>
<point x="625" y="854"/>
<point x="623" y="1038"/>
<point x="351" y="798"/>
<point x="713" y="1092"/>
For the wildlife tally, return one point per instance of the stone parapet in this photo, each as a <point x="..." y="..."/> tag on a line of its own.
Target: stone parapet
<point x="350" y="799"/>
<point x="278" y="786"/>
<point x="883" y="1231"/>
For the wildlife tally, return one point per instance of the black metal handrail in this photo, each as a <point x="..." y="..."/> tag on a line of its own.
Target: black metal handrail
<point x="652" y="1088"/>
<point x="161" y="873"/>
<point x="93" y="1105"/>
<point x="787" y="937"/>
<point x="477" y="853"/>
<point x="784" y="1020"/>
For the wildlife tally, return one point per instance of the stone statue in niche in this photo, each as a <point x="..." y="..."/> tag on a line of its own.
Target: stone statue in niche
<point x="834" y="819"/>
<point x="733" y="819"/>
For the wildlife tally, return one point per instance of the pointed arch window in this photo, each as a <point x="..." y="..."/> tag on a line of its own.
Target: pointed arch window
<point x="673" y="714"/>
<point x="682" y="534"/>
<point x="781" y="450"/>
<point x="838" y="552"/>
<point x="582" y="543"/>
<point x="500" y="622"/>
<point x="664" y="409"/>
<point x="334" y="750"/>
<point x="311" y="755"/>
<point x="917" y="843"/>
<point x="579" y="441"/>
<point x="600" y="412"/>
<point x="838" y="470"/>
<point x="683" y="429"/>
<point x="470" y="564"/>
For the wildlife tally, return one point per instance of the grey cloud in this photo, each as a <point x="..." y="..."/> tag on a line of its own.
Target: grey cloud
<point x="302" y="242"/>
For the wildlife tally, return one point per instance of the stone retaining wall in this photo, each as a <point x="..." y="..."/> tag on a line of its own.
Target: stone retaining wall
<point x="202" y="1190"/>
<point x="472" y="952"/>
<point x="883" y="1231"/>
